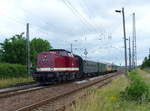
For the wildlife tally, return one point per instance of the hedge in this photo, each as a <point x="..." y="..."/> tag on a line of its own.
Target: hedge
<point x="12" y="70"/>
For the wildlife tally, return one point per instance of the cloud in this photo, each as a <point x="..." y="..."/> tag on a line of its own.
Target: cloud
<point x="90" y="24"/>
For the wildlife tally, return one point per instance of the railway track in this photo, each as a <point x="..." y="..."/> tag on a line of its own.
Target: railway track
<point x="18" y="89"/>
<point x="103" y="81"/>
<point x="31" y="98"/>
<point x="62" y="106"/>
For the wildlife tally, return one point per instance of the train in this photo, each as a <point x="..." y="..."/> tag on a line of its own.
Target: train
<point x="58" y="65"/>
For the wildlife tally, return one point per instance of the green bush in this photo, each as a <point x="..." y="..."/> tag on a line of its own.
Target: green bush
<point x="12" y="70"/>
<point x="137" y="90"/>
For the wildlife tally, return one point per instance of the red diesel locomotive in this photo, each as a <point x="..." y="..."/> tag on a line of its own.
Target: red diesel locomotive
<point x="60" y="65"/>
<point x="56" y="65"/>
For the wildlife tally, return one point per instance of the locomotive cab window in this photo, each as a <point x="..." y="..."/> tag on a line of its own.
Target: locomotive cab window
<point x="63" y="53"/>
<point x="53" y="52"/>
<point x="70" y="55"/>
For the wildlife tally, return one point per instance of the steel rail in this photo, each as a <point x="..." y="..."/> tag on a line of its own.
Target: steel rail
<point x="65" y="106"/>
<point x="51" y="99"/>
<point x="11" y="91"/>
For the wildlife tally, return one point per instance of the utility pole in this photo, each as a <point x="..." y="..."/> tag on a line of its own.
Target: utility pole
<point x="125" y="45"/>
<point x="28" y="48"/>
<point x="124" y="33"/>
<point x="71" y="48"/>
<point x="134" y="54"/>
<point x="129" y="54"/>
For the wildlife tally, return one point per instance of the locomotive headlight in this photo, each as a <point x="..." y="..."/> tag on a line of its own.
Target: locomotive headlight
<point x="51" y="69"/>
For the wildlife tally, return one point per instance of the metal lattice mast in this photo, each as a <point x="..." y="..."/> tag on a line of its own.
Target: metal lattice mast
<point x="134" y="55"/>
<point x="129" y="54"/>
<point x="135" y="40"/>
<point x="132" y="52"/>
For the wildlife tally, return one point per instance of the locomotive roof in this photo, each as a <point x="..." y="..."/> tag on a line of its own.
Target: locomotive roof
<point x="58" y="50"/>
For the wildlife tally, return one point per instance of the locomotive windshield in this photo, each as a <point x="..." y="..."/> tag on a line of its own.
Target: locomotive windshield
<point x="62" y="53"/>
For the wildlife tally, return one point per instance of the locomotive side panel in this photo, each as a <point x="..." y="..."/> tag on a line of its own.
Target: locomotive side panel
<point x="66" y="62"/>
<point x="48" y="62"/>
<point x="56" y="65"/>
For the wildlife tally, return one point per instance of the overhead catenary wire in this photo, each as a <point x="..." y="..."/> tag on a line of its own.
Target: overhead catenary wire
<point x="46" y="32"/>
<point x="81" y="17"/>
<point x="35" y="26"/>
<point x="83" y="3"/>
<point x="44" y="21"/>
<point x="76" y="12"/>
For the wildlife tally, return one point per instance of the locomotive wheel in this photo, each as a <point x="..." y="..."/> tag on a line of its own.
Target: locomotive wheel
<point x="59" y="79"/>
<point x="64" y="77"/>
<point x="77" y="75"/>
<point x="73" y="76"/>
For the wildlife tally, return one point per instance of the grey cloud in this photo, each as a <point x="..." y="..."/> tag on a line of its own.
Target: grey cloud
<point x="54" y="21"/>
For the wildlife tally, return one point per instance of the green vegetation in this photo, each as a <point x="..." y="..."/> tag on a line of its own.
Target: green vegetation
<point x="11" y="74"/>
<point x="12" y="71"/>
<point x="147" y="70"/>
<point x="137" y="90"/>
<point x="109" y="97"/>
<point x="146" y="63"/>
<point x="13" y="57"/>
<point x="14" y="50"/>
<point x="14" y="81"/>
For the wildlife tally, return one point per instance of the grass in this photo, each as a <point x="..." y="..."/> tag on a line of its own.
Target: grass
<point x="8" y="70"/>
<point x="138" y="90"/>
<point x="147" y="70"/>
<point x="14" y="81"/>
<point x="108" y="97"/>
<point x="12" y="74"/>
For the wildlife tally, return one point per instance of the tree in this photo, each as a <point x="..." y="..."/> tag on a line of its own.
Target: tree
<point x="146" y="62"/>
<point x="38" y="45"/>
<point x="13" y="50"/>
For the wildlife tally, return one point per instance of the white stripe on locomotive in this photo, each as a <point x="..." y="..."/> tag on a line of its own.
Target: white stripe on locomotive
<point x="57" y="69"/>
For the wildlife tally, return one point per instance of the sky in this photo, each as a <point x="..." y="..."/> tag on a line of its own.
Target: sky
<point x="86" y="24"/>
